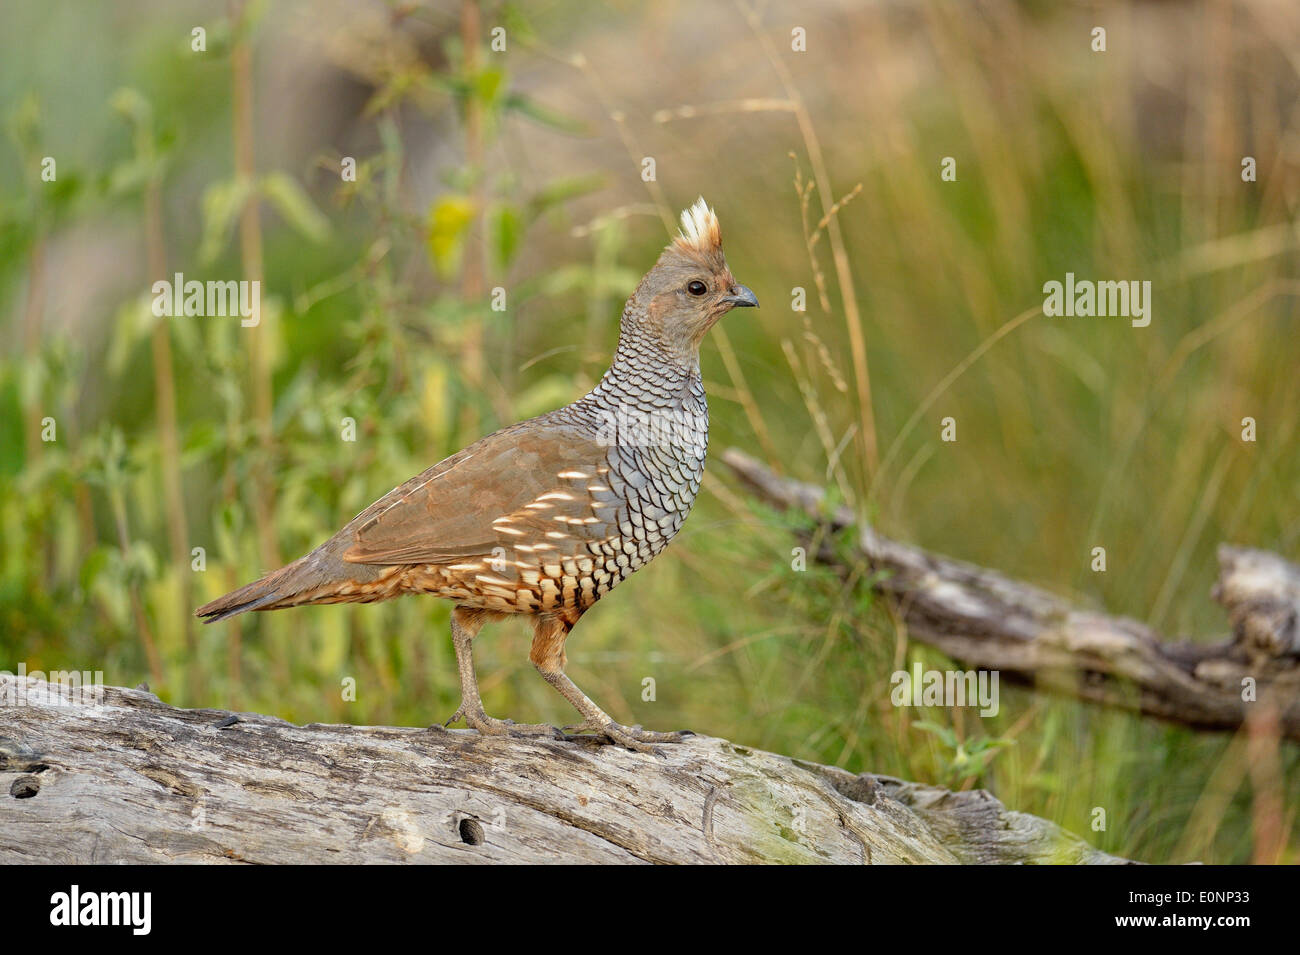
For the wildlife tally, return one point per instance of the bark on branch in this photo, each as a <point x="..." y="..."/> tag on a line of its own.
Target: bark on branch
<point x="989" y="621"/>
<point x="131" y="779"/>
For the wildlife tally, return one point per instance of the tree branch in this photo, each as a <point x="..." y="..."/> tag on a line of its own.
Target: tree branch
<point x="130" y="779"/>
<point x="991" y="622"/>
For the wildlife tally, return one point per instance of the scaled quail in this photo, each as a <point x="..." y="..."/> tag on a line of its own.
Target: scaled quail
<point x="545" y="517"/>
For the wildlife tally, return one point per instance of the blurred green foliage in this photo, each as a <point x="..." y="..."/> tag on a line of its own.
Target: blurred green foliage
<point x="380" y="313"/>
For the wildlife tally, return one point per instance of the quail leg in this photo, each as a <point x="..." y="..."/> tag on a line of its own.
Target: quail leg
<point x="596" y="720"/>
<point x="464" y="627"/>
<point x="548" y="656"/>
<point x="634" y="732"/>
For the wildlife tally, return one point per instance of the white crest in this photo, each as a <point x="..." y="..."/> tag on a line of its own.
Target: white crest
<point x="700" y="229"/>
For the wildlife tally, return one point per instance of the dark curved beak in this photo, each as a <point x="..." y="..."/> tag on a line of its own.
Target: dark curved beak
<point x="741" y="297"/>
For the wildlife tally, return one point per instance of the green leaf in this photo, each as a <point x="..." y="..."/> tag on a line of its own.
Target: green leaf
<point x="222" y="202"/>
<point x="403" y="84"/>
<point x="570" y="278"/>
<point x="131" y="105"/>
<point x="129" y="177"/>
<point x="24" y="125"/>
<point x="543" y="115"/>
<point x="945" y="734"/>
<point x="289" y="199"/>
<point x="488" y="85"/>
<point x="133" y="322"/>
<point x="63" y="192"/>
<point x="200" y="441"/>
<point x="147" y="163"/>
<point x="96" y="564"/>
<point x="32" y="375"/>
<point x="516" y="24"/>
<point x="562" y="190"/>
<point x="507" y="228"/>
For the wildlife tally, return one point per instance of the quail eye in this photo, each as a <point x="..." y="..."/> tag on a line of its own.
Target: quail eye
<point x="697" y="288"/>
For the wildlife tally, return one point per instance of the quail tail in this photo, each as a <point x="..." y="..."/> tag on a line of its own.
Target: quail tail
<point x="265" y="594"/>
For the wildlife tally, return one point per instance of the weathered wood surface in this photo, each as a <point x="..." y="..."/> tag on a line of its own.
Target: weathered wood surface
<point x="988" y="621"/>
<point x="133" y="780"/>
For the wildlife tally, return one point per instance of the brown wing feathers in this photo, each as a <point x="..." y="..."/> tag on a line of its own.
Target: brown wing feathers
<point x="520" y="484"/>
<point x="464" y="509"/>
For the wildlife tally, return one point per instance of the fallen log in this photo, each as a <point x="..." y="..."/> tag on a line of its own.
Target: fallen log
<point x="991" y="622"/>
<point x="117" y="776"/>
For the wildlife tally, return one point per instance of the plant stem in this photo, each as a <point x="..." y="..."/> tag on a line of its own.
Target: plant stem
<point x="250" y="248"/>
<point x="472" y="275"/>
<point x="843" y="273"/>
<point x="32" y="339"/>
<point x="168" y="439"/>
<point x="137" y="603"/>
